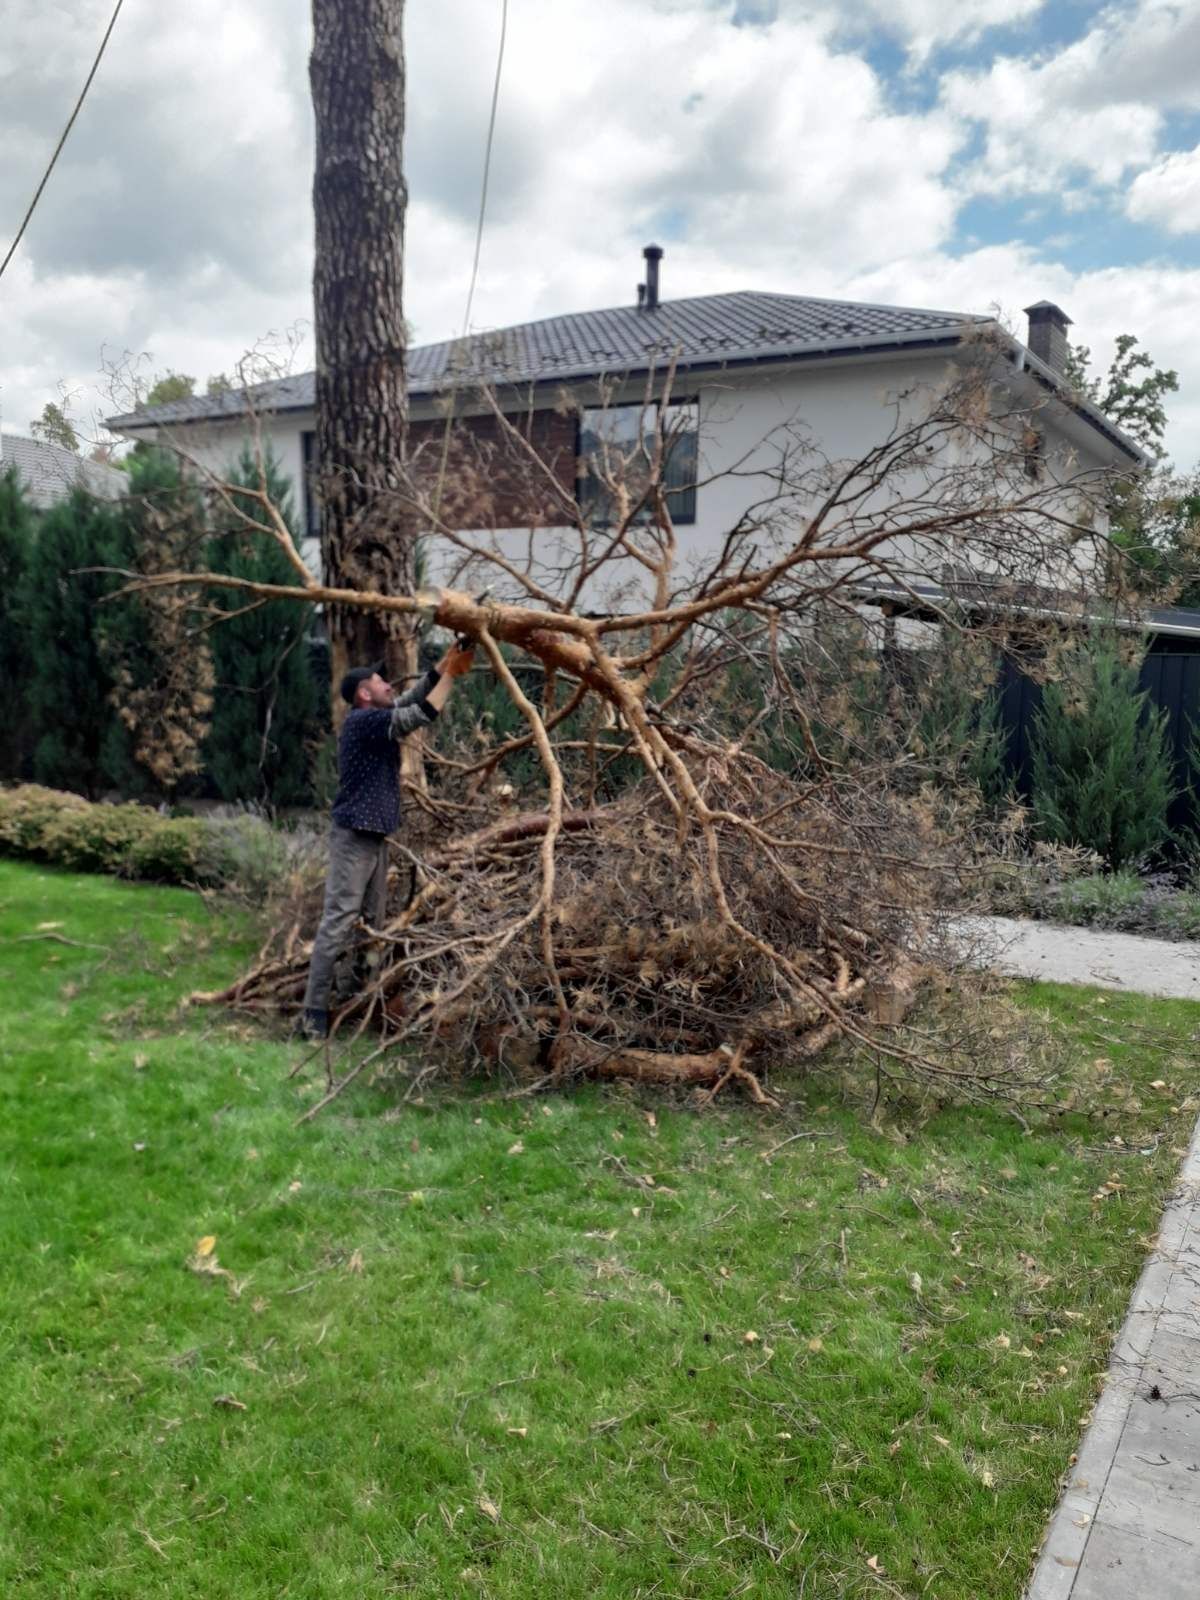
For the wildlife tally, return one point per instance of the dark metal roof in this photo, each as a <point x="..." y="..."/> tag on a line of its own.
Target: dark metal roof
<point x="711" y="327"/>
<point x="709" y="330"/>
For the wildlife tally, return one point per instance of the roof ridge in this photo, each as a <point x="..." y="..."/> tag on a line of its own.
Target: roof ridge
<point x="698" y="299"/>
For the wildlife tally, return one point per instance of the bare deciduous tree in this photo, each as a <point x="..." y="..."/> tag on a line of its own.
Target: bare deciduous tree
<point x="667" y="870"/>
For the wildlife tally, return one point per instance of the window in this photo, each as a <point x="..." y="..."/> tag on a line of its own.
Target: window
<point x="312" y="510"/>
<point x="608" y="443"/>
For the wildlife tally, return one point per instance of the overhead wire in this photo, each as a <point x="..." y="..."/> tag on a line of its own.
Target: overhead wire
<point x="12" y="249"/>
<point x="479" y="227"/>
<point x="487" y="167"/>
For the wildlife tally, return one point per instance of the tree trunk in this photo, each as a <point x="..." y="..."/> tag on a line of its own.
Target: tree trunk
<point x="359" y="197"/>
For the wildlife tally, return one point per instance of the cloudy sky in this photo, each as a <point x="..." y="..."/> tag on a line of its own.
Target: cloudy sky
<point x="977" y="156"/>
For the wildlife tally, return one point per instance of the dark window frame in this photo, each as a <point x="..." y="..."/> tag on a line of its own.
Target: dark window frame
<point x="1034" y="444"/>
<point x="682" y="499"/>
<point x="308" y="458"/>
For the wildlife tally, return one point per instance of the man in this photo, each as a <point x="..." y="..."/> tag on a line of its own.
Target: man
<point x="367" y="808"/>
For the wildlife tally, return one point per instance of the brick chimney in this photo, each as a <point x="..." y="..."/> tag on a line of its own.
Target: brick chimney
<point x="1048" y="326"/>
<point x="648" y="291"/>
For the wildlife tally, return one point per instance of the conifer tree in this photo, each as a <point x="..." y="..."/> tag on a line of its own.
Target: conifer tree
<point x="68" y="682"/>
<point x="16" y="539"/>
<point x="958" y="730"/>
<point x="266" y="711"/>
<point x="156" y="655"/>
<point x="1102" y="769"/>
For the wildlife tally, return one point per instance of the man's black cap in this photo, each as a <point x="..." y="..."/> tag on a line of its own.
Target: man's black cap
<point x="349" y="685"/>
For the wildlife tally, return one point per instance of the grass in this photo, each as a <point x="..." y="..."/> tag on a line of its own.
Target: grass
<point x="502" y="1348"/>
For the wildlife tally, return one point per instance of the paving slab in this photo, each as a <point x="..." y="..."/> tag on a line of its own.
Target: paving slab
<point x="1128" y="1523"/>
<point x="1128" y="1563"/>
<point x="1167" y="968"/>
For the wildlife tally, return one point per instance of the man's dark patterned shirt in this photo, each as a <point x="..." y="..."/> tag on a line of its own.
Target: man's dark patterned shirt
<point x="368" y="797"/>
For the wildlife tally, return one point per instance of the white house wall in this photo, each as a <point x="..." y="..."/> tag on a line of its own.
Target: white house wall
<point x="216" y="448"/>
<point x="835" y="412"/>
<point x="821" y="417"/>
<point x="754" y="429"/>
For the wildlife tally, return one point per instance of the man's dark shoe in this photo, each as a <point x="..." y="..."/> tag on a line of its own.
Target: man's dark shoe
<point x="315" y="1025"/>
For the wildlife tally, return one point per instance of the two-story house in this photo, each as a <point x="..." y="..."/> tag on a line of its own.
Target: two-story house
<point x="749" y="369"/>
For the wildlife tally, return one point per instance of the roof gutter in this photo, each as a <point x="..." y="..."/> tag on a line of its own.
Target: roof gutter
<point x="933" y="602"/>
<point x="737" y="359"/>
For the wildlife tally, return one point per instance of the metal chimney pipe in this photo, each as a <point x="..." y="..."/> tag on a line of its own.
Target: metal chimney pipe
<point x="653" y="254"/>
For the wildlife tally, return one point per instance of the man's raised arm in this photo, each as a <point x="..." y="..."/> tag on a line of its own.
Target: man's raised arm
<point x="419" y="706"/>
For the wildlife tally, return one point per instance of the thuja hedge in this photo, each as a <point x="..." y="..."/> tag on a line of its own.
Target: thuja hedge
<point x="60" y="625"/>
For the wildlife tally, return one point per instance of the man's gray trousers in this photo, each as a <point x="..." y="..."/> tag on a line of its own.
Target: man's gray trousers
<point x="356" y="886"/>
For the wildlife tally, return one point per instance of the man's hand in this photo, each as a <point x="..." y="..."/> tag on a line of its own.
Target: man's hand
<point x="454" y="664"/>
<point x="457" y="661"/>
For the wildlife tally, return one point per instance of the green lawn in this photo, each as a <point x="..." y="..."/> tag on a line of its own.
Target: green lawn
<point x="557" y="1347"/>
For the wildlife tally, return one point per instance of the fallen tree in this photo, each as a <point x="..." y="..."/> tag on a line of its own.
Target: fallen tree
<point x="702" y="853"/>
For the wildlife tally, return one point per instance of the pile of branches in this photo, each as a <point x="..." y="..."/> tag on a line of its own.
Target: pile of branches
<point x="826" y="894"/>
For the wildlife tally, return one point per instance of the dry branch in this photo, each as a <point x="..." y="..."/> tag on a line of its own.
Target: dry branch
<point x="741" y="870"/>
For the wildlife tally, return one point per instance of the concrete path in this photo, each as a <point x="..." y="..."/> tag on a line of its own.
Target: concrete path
<point x="1085" y="955"/>
<point x="1128" y="1524"/>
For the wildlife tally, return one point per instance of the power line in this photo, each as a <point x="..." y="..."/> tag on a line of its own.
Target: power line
<point x="12" y="249"/>
<point x="487" y="170"/>
<point x="487" y="166"/>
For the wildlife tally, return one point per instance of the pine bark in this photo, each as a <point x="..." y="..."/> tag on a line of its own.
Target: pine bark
<point x="356" y="73"/>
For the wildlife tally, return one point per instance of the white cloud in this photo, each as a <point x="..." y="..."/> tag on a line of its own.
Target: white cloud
<point x="177" y="220"/>
<point x="768" y="156"/>
<point x="1039" y="138"/>
<point x="182" y="201"/>
<point x="1168" y="193"/>
<point x="1093" y="111"/>
<point x="770" y="184"/>
<point x="1146" y="51"/>
<point x="927" y="25"/>
<point x="922" y="26"/>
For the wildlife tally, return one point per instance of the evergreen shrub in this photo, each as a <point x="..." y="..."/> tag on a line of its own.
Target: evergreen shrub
<point x="98" y="839"/>
<point x="1102" y="768"/>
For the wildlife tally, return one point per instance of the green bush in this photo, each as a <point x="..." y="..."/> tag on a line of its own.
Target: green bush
<point x="242" y="852"/>
<point x="1110" y="901"/>
<point x="1178" y="917"/>
<point x="1102" y="769"/>
<point x="246" y="855"/>
<point x="26" y="813"/>
<point x="99" y="839"/>
<point x="1055" y="884"/>
<point x="170" y="852"/>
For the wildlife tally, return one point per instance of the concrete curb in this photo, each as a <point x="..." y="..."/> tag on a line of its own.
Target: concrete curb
<point x="1128" y="1523"/>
